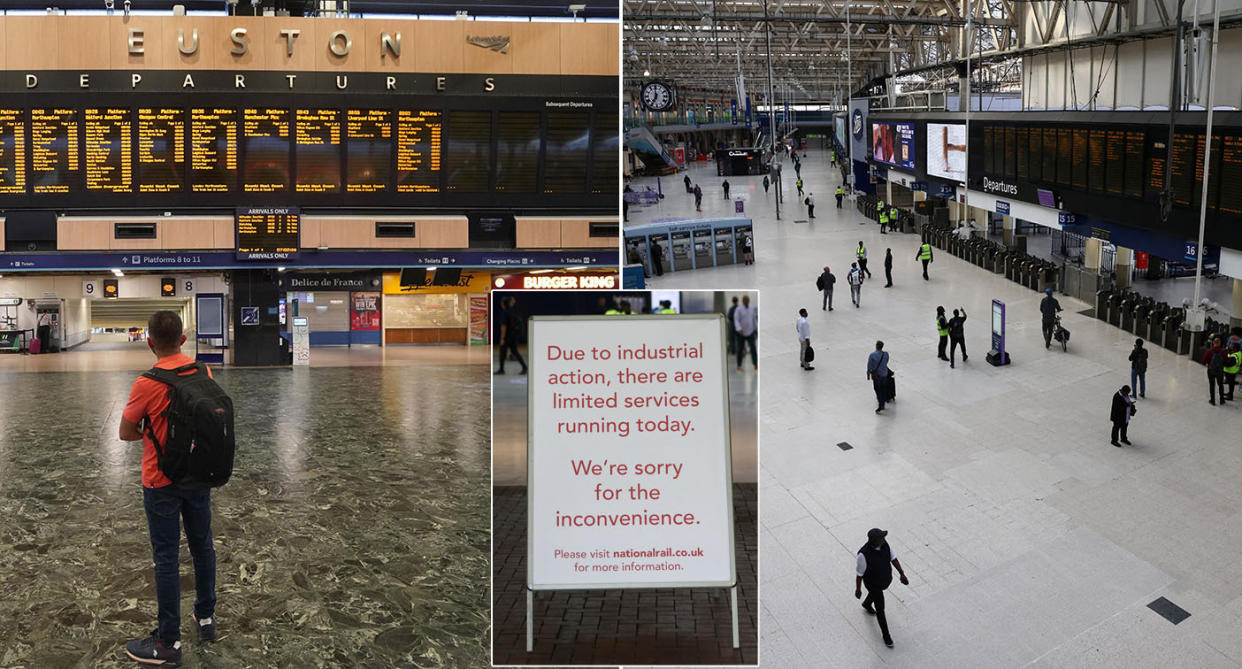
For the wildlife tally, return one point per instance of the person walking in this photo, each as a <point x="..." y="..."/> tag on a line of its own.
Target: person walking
<point x="732" y="332"/>
<point x="746" y="323"/>
<point x="510" y="322"/>
<point x="657" y="258"/>
<point x="861" y="252"/>
<point x="810" y="205"/>
<point x="888" y="268"/>
<point x="686" y="180"/>
<point x="824" y="283"/>
<point x="1048" y="308"/>
<point x="877" y="373"/>
<point x="942" y="329"/>
<point x="804" y="339"/>
<point x="698" y="198"/>
<point x="146" y="418"/>
<point x="924" y="254"/>
<point x="1233" y="363"/>
<point x="957" y="335"/>
<point x="1123" y="409"/>
<point x="1138" y="368"/>
<point x="1214" y="358"/>
<point x="725" y="186"/>
<point x="874" y="569"/>
<point x="855" y="279"/>
<point x="798" y="183"/>
<point x="840" y="196"/>
<point x="766" y="183"/>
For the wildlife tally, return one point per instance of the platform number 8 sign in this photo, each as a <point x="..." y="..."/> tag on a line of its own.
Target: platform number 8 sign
<point x="187" y="286"/>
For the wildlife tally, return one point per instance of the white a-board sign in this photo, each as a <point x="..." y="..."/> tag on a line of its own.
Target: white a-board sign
<point x="628" y="453"/>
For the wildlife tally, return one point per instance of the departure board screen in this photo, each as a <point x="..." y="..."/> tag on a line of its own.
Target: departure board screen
<point x="161" y="150"/>
<point x="213" y="150"/>
<point x="54" y="156"/>
<point x="12" y="151"/>
<point x="1134" y="163"/>
<point x="1213" y="189"/>
<point x="109" y="150"/>
<point x="368" y="150"/>
<point x="265" y="146"/>
<point x="989" y="149"/>
<point x="419" y="147"/>
<point x="1050" y="154"/>
<point x="1156" y="167"/>
<point x="517" y="145"/>
<point x="1097" y="160"/>
<point x="1078" y="163"/>
<point x="1183" y="174"/>
<point x="1231" y="173"/>
<point x="1065" y="155"/>
<point x="317" y="141"/>
<point x="1023" y="153"/>
<point x="565" y="170"/>
<point x="267" y="233"/>
<point x="1036" y="158"/>
<point x="1010" y="141"/>
<point x="606" y="143"/>
<point x="469" y="151"/>
<point x="1114" y="179"/>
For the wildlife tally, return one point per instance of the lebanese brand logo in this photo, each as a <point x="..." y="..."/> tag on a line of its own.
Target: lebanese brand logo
<point x="990" y="186"/>
<point x="498" y="43"/>
<point x="858" y="123"/>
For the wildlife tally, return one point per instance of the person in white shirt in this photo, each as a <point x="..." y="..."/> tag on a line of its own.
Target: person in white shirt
<point x="804" y="339"/>
<point x="855" y="278"/>
<point x="745" y="324"/>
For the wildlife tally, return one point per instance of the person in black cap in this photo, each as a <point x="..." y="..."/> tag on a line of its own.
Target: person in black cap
<point x="876" y="560"/>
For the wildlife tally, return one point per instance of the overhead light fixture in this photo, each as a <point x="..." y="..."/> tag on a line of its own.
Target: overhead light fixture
<point x="542" y="271"/>
<point x="118" y="272"/>
<point x="280" y="269"/>
<point x="646" y="73"/>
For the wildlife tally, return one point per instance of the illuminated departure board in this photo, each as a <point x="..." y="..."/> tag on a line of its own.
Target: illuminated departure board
<point x="1114" y="179"/>
<point x="12" y="151"/>
<point x="1183" y="174"/>
<point x="1231" y="173"/>
<point x="1078" y="159"/>
<point x="1022" y="138"/>
<point x="1134" y="163"/>
<point x="606" y="142"/>
<point x="517" y="145"/>
<point x="265" y="146"/>
<point x="54" y="156"/>
<point x="368" y="150"/>
<point x="565" y="169"/>
<point x="213" y="150"/>
<point x="109" y="150"/>
<point x="420" y="137"/>
<point x="1213" y="189"/>
<point x="1065" y="153"/>
<point x="469" y="152"/>
<point x="1097" y="160"/>
<point x="267" y="233"/>
<point x="161" y="150"/>
<point x="317" y="141"/>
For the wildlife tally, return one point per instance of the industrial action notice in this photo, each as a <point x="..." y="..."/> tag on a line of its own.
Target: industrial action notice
<point x="629" y="475"/>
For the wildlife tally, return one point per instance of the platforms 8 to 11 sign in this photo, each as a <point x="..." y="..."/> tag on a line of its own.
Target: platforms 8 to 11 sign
<point x="630" y="482"/>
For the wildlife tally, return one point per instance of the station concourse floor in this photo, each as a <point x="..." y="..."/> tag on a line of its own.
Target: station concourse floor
<point x="354" y="531"/>
<point x="1029" y="540"/>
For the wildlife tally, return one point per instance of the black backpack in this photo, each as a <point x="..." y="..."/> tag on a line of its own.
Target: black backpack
<point x="198" y="452"/>
<point x="1216" y="363"/>
<point x="819" y="282"/>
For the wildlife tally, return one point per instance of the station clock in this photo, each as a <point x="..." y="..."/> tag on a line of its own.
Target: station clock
<point x="657" y="96"/>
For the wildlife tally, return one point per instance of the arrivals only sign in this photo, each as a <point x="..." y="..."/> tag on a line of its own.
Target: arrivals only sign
<point x="628" y="453"/>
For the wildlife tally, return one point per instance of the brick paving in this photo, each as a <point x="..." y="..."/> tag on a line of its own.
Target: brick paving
<point x="662" y="626"/>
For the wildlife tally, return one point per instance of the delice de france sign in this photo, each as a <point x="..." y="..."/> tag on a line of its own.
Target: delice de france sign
<point x="628" y="453"/>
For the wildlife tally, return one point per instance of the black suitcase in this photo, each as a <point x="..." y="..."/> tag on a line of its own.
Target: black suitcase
<point x="892" y="387"/>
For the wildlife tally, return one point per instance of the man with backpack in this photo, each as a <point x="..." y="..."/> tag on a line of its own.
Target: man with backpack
<point x="810" y="205"/>
<point x="185" y="422"/>
<point x="1214" y="358"/>
<point x="824" y="283"/>
<point x="855" y="279"/>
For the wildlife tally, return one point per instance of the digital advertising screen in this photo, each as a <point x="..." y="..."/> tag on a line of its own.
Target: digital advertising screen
<point x="843" y="135"/>
<point x="893" y="144"/>
<point x="946" y="151"/>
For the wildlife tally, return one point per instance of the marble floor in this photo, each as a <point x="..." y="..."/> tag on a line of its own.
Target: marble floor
<point x="354" y="531"/>
<point x="1029" y="540"/>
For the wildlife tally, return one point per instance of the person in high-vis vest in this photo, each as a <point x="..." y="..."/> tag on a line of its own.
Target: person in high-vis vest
<point x="892" y="216"/>
<point x="925" y="254"/>
<point x="942" y="329"/>
<point x="666" y="307"/>
<point x="879" y="207"/>
<point x="861" y="252"/>
<point x="1233" y="363"/>
<point x="840" y="195"/>
<point x="883" y="217"/>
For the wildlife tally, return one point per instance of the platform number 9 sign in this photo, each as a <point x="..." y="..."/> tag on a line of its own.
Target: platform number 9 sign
<point x="89" y="289"/>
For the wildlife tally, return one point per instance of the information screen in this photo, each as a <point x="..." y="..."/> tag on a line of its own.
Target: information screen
<point x="317" y="146"/>
<point x="1231" y="173"/>
<point x="265" y="137"/>
<point x="1213" y="190"/>
<point x="1097" y="160"/>
<point x="213" y="150"/>
<point x="517" y="160"/>
<point x="1134" y="163"/>
<point x="1050" y="154"/>
<point x="54" y="156"/>
<point x="989" y="149"/>
<point x="368" y="150"/>
<point x="419" y="145"/>
<point x="12" y="151"/>
<point x="568" y="140"/>
<point x="1065" y="154"/>
<point x="470" y="151"/>
<point x="1036" y="158"/>
<point x="1009" y="150"/>
<point x="1023" y="152"/>
<point x="1114" y="179"/>
<point x="1184" y="163"/>
<point x="267" y="232"/>
<point x="161" y="150"/>
<point x="1078" y="163"/>
<point x="109" y="151"/>
<point x="606" y="143"/>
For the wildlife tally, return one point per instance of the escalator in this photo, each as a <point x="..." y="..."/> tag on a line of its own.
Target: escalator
<point x="656" y="159"/>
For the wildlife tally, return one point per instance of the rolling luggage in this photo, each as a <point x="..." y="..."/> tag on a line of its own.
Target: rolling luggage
<point x="35" y="346"/>
<point x="892" y="387"/>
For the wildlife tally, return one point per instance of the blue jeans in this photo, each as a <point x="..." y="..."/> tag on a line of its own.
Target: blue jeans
<point x="165" y="508"/>
<point x="1135" y="378"/>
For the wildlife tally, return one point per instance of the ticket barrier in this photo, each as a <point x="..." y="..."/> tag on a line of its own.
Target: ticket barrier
<point x="1101" y="303"/>
<point x="1153" y="322"/>
<point x="1049" y="276"/>
<point x="1114" y="307"/>
<point x="682" y="251"/>
<point x="1171" y="331"/>
<point x="1137" y="321"/>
